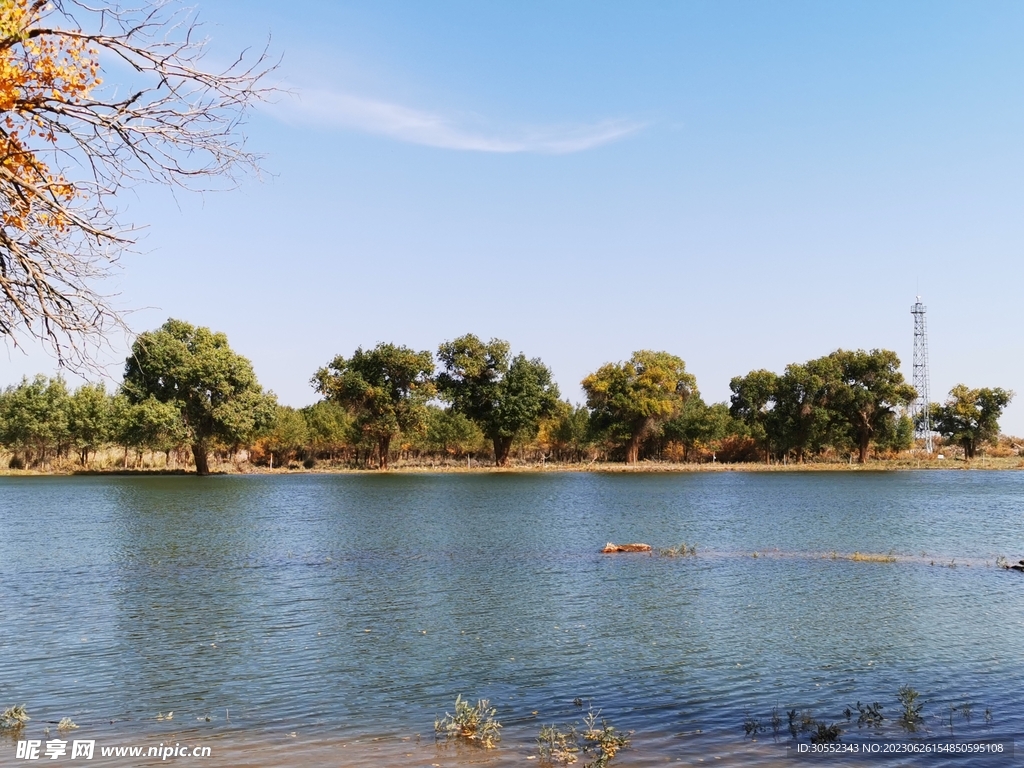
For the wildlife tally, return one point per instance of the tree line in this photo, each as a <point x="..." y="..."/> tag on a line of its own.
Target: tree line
<point x="188" y="395"/>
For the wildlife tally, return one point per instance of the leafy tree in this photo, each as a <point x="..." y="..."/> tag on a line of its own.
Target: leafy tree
<point x="451" y="433"/>
<point x="753" y="403"/>
<point x="863" y="391"/>
<point x="800" y="421"/>
<point x="634" y="398"/>
<point x="897" y="435"/>
<point x="699" y="425"/>
<point x="89" y="419"/>
<point x="330" y="428"/>
<point x="286" y="436"/>
<point x="214" y="389"/>
<point x="69" y="146"/>
<point x="148" y="423"/>
<point x="970" y="416"/>
<point x="571" y="434"/>
<point x="387" y="388"/>
<point x="507" y="399"/>
<point x="34" y="418"/>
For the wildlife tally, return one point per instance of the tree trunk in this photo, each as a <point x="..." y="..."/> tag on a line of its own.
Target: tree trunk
<point x="865" y="441"/>
<point x="384" y="446"/>
<point x="202" y="460"/>
<point x="633" y="448"/>
<point x="502" y="446"/>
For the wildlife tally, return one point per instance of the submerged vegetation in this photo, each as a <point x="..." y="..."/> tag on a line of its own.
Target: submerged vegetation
<point x="597" y="743"/>
<point x="14" y="718"/>
<point x="864" y="557"/>
<point x="910" y="719"/>
<point x="469" y="723"/>
<point x="683" y="550"/>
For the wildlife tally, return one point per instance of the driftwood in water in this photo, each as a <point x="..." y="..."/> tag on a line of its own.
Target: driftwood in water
<point x="610" y="548"/>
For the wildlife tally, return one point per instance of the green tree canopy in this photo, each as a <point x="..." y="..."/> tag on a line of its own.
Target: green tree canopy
<point x="286" y="436"/>
<point x="970" y="416"/>
<point x="863" y="391"/>
<point x="451" y="433"/>
<point x="147" y="423"/>
<point x="387" y="388"/>
<point x="700" y="425"/>
<point x="213" y="388"/>
<point x="34" y="417"/>
<point x="571" y="433"/>
<point x="506" y="399"/>
<point x="634" y="398"/>
<point x="753" y="402"/>
<point x="800" y="420"/>
<point x="331" y="428"/>
<point x="89" y="419"/>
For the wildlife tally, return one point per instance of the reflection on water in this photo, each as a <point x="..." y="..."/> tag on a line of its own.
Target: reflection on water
<point x="352" y="609"/>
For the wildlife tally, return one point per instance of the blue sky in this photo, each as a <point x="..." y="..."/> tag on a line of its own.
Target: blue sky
<point x="742" y="184"/>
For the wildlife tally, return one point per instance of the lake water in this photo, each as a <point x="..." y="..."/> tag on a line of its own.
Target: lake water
<point x="327" y="619"/>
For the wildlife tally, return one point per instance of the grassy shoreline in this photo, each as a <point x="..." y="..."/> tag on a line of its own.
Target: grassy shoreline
<point x="644" y="467"/>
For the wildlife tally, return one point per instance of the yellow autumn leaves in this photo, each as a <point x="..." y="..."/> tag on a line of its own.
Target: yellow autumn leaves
<point x="42" y="70"/>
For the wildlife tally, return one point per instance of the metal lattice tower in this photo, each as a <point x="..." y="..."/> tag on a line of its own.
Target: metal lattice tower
<point x="919" y="408"/>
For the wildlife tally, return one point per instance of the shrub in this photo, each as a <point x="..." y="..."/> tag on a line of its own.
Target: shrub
<point x="911" y="714"/>
<point x="826" y="734"/>
<point x="558" y="746"/>
<point x="473" y="724"/>
<point x="14" y="718"/>
<point x="737" y="448"/>
<point x="562" y="744"/>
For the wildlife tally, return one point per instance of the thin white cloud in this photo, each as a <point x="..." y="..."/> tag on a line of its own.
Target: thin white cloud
<point x="333" y="109"/>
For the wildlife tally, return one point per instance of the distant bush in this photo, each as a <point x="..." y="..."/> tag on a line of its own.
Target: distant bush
<point x="738" y="448"/>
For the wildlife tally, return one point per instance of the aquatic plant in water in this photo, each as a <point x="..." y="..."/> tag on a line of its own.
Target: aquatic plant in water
<point x="475" y="724"/>
<point x="870" y="714"/>
<point x="911" y="714"/>
<point x="792" y="715"/>
<point x="603" y="739"/>
<point x="14" y="717"/>
<point x="681" y="551"/>
<point x="557" y="746"/>
<point x="825" y="734"/>
<point x="866" y="557"/>
<point x="752" y="726"/>
<point x="801" y="721"/>
<point x="564" y="744"/>
<point x="66" y="724"/>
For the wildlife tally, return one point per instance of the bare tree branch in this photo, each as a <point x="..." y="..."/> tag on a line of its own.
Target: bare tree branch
<point x="70" y="143"/>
